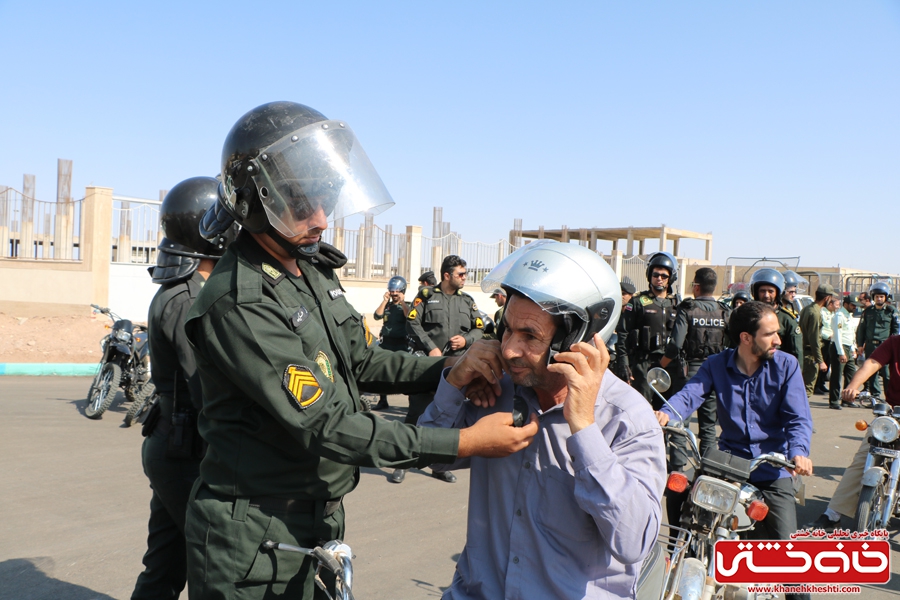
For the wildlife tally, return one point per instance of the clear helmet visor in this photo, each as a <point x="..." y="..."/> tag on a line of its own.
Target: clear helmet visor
<point x="561" y="279"/>
<point x="319" y="167"/>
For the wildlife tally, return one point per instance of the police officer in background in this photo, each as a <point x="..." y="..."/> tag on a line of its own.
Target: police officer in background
<point x="392" y="310"/>
<point x="700" y="330"/>
<point x="878" y="322"/>
<point x="792" y="283"/>
<point x="767" y="285"/>
<point x="172" y="449"/>
<point x="647" y="323"/>
<point x="427" y="279"/>
<point x="444" y="321"/>
<point x="740" y="297"/>
<point x="281" y="355"/>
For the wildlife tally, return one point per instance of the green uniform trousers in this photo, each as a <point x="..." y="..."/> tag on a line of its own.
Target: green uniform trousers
<point x="171" y="480"/>
<point x="872" y="385"/>
<point x="810" y="373"/>
<point x="225" y="557"/>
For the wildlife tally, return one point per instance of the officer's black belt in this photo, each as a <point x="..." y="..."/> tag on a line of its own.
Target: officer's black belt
<point x="281" y="505"/>
<point x="291" y="505"/>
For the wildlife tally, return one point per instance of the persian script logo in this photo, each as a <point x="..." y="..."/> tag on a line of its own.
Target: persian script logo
<point x="803" y="561"/>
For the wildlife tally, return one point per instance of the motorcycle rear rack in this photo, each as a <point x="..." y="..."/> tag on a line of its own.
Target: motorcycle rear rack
<point x="676" y="542"/>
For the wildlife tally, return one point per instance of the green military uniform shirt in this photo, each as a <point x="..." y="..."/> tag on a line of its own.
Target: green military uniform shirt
<point x="811" y="328"/>
<point x="790" y="333"/>
<point x="279" y="359"/>
<point x="393" y="331"/>
<point x="875" y="326"/>
<point x="436" y="317"/>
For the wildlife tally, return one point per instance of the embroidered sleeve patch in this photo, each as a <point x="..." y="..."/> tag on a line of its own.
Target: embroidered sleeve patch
<point x="302" y="386"/>
<point x="479" y="324"/>
<point x="417" y="301"/>
<point x="412" y="315"/>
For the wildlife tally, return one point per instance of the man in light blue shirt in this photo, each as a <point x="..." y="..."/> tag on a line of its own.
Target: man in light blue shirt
<point x="574" y="514"/>
<point x="843" y="357"/>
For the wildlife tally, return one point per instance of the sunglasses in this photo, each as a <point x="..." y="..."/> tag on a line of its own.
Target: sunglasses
<point x="660" y="276"/>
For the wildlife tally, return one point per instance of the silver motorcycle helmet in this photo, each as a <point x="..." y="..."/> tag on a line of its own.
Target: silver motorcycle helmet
<point x="565" y="280"/>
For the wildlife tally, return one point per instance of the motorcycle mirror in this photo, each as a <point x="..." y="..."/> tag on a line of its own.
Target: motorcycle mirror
<point x="659" y="379"/>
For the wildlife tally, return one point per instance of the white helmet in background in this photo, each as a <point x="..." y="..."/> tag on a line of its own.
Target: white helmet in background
<point x="565" y="280"/>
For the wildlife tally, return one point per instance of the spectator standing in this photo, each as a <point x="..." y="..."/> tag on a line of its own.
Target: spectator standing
<point x="843" y="357"/>
<point x="811" y="328"/>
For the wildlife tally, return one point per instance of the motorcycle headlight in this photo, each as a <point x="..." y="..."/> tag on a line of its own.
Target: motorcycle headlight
<point x="715" y="495"/>
<point x="885" y="429"/>
<point x="123" y="336"/>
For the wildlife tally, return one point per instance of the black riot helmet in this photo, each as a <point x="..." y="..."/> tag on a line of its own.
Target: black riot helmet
<point x="182" y="246"/>
<point x="284" y="163"/>
<point x="880" y="287"/>
<point x="767" y="277"/>
<point x="666" y="261"/>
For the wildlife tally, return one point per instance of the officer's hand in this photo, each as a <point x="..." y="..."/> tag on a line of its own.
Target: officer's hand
<point x="843" y="358"/>
<point x="457" y="342"/>
<point x="803" y="464"/>
<point x="849" y="394"/>
<point x="583" y="366"/>
<point x="435" y="352"/>
<point x="480" y="365"/>
<point x="493" y="436"/>
<point x="823" y="366"/>
<point x="661" y="417"/>
<point x="387" y="296"/>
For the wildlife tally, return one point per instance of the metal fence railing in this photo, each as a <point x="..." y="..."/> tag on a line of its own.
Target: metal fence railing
<point x="135" y="230"/>
<point x="634" y="271"/>
<point x="34" y="229"/>
<point x="480" y="257"/>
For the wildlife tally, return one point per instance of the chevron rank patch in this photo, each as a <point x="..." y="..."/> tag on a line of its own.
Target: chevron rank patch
<point x="479" y="324"/>
<point x="412" y="315"/>
<point x="302" y="386"/>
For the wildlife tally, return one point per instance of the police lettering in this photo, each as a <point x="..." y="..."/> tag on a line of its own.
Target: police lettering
<point x="703" y="322"/>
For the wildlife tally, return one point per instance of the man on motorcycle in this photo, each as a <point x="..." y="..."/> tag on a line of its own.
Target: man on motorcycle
<point x="573" y="515"/>
<point x="183" y="263"/>
<point x="762" y="408"/>
<point x="846" y="496"/>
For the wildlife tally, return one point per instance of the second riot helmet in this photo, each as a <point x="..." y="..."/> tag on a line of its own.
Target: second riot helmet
<point x="880" y="287"/>
<point x="767" y="277"/>
<point x="397" y="284"/>
<point x="182" y="246"/>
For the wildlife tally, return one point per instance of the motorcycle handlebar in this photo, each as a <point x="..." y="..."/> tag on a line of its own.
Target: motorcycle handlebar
<point x="773" y="459"/>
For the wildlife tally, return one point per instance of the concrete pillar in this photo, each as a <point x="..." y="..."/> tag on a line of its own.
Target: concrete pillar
<point x="663" y="238"/>
<point x="413" y="253"/>
<point x="709" y="250"/>
<point x="4" y="222"/>
<point x="339" y="234"/>
<point x="629" y="247"/>
<point x="26" y="221"/>
<point x="62" y="227"/>
<point x="641" y="247"/>
<point x="387" y="258"/>
<point x="541" y="232"/>
<point x="564" y="236"/>
<point x="677" y="249"/>
<point x="618" y="264"/>
<point x="96" y="240"/>
<point x="682" y="279"/>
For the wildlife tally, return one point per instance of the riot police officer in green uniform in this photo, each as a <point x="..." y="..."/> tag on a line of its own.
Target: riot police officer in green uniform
<point x="281" y="355"/>
<point x="392" y="310"/>
<point x="767" y="285"/>
<point x="444" y="321"/>
<point x="877" y="323"/>
<point x="172" y="449"/>
<point x="647" y="323"/>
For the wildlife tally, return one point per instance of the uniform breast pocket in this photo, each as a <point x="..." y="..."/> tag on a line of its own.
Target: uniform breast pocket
<point x="465" y="319"/>
<point x="309" y="330"/>
<point x="434" y="316"/>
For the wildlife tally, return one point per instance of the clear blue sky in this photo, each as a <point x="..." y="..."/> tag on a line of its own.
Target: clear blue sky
<point x="774" y="125"/>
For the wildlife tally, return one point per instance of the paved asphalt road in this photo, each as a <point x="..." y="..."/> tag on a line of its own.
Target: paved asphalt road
<point x="75" y="503"/>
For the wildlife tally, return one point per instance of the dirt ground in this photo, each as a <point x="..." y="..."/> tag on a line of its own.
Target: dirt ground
<point x="68" y="339"/>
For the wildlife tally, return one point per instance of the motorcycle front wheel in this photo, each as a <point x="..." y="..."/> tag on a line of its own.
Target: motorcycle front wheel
<point x="870" y="507"/>
<point x="103" y="391"/>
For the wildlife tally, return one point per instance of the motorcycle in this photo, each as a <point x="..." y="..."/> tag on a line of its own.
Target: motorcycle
<point x="721" y="504"/>
<point x="124" y="363"/>
<point x="881" y="475"/>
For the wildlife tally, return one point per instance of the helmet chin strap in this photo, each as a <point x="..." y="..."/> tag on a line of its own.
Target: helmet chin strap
<point x="303" y="252"/>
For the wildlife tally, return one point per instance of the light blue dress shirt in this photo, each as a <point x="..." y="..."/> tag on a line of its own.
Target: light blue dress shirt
<point x="571" y="516"/>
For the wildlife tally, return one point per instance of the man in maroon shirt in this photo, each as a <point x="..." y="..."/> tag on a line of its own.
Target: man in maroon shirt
<point x="846" y="496"/>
